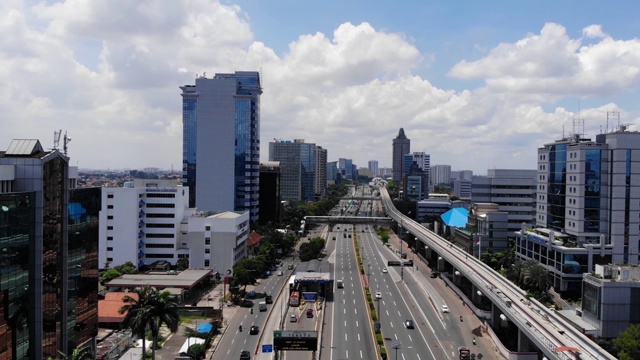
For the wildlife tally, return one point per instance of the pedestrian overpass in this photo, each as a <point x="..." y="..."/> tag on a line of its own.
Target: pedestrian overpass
<point x="333" y="220"/>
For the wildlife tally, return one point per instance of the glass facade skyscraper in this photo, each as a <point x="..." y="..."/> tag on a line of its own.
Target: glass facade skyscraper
<point x="221" y="136"/>
<point x="587" y="209"/>
<point x="49" y="258"/>
<point x="297" y="168"/>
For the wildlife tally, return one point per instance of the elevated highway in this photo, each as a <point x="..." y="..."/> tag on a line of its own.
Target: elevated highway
<point x="333" y="220"/>
<point x="553" y="335"/>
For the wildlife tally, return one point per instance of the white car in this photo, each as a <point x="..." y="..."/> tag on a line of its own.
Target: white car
<point x="378" y="295"/>
<point x="384" y="270"/>
<point x="280" y="273"/>
<point x="445" y="309"/>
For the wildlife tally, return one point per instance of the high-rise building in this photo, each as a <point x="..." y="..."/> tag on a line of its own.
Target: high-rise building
<point x="49" y="268"/>
<point x="221" y="142"/>
<point x="345" y="166"/>
<point x="373" y="167"/>
<point x="333" y="175"/>
<point x="514" y="190"/>
<point x="440" y="174"/>
<point x="320" y="190"/>
<point x="587" y="206"/>
<point x="297" y="168"/>
<point x="149" y="211"/>
<point x="270" y="204"/>
<point x="401" y="147"/>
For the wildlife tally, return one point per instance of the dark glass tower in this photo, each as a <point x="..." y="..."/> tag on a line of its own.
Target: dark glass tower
<point x="49" y="291"/>
<point x="221" y="142"/>
<point x="401" y="147"/>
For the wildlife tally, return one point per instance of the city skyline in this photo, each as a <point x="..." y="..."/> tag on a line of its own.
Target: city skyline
<point x="476" y="87"/>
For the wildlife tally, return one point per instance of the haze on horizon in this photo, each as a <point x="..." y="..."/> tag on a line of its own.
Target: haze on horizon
<point x="475" y="86"/>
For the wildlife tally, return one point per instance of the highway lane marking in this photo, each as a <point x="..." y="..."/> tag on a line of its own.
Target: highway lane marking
<point x="357" y="326"/>
<point x="360" y="354"/>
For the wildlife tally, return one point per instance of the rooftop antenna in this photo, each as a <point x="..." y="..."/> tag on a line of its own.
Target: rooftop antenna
<point x="613" y="115"/>
<point x="56" y="139"/>
<point x="67" y="140"/>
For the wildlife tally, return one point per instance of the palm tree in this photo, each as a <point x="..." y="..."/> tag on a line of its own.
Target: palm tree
<point x="536" y="277"/>
<point x="151" y="310"/>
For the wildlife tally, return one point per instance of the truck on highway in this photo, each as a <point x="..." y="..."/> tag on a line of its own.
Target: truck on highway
<point x="262" y="306"/>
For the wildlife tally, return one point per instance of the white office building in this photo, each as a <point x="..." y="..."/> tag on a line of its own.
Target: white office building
<point x="146" y="221"/>
<point x="440" y="174"/>
<point x="588" y="199"/>
<point x="514" y="190"/>
<point x="373" y="167"/>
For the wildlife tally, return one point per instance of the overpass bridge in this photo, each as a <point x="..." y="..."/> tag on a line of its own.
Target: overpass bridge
<point x="333" y="220"/>
<point x="551" y="333"/>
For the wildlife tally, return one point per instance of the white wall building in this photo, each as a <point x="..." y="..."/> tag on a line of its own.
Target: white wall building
<point x="217" y="241"/>
<point x="440" y="174"/>
<point x="149" y="220"/>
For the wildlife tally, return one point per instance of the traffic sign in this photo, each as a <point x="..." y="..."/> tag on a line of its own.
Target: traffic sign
<point x="396" y="345"/>
<point x="267" y="348"/>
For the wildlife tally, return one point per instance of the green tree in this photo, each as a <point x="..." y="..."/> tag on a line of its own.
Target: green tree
<point x="196" y="351"/>
<point x="127" y="268"/>
<point x="247" y="271"/>
<point x="536" y="278"/>
<point x="628" y="343"/>
<point x="83" y="353"/>
<point x="150" y="311"/>
<point x="109" y="275"/>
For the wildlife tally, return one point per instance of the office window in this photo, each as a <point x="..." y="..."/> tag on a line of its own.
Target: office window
<point x="109" y="206"/>
<point x="206" y="263"/>
<point x="109" y="237"/>
<point x="207" y="241"/>
<point x="109" y="196"/>
<point x="110" y="217"/>
<point x="207" y="251"/>
<point x="109" y="248"/>
<point x="109" y="259"/>
<point x="109" y="227"/>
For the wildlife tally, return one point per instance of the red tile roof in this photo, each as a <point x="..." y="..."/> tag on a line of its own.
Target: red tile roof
<point x="254" y="238"/>
<point x="108" y="309"/>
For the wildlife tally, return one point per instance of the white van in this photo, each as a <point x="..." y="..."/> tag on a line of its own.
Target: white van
<point x="262" y="305"/>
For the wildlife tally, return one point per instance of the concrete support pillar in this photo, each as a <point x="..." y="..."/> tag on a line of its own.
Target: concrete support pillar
<point x="457" y="277"/>
<point x="440" y="266"/>
<point x="475" y="297"/>
<point x="524" y="345"/>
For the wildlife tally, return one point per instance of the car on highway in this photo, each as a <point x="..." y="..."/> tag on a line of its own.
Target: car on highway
<point x="409" y="324"/>
<point x="280" y="273"/>
<point x="309" y="313"/>
<point x="293" y="318"/>
<point x="246" y="303"/>
<point x="245" y="355"/>
<point x="254" y="330"/>
<point x="378" y="295"/>
<point x="384" y="270"/>
<point x="445" y="309"/>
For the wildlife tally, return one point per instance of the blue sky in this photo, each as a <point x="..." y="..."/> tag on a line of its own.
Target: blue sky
<point x="475" y="84"/>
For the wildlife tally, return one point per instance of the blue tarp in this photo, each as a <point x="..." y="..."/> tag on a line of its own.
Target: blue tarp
<point x="455" y="217"/>
<point x="205" y="328"/>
